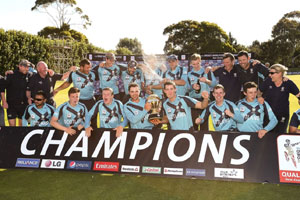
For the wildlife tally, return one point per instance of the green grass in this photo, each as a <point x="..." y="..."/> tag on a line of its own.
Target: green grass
<point x="45" y="184"/>
<point x="39" y="184"/>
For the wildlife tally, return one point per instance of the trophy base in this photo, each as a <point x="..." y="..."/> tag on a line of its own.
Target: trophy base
<point x="154" y="117"/>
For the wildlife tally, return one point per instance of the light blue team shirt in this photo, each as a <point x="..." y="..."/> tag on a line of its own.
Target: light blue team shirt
<point x="179" y="112"/>
<point x="253" y="114"/>
<point x="110" y="115"/>
<point x="84" y="82"/>
<point x="38" y="117"/>
<point x="72" y="116"/>
<point x="193" y="77"/>
<point x="109" y="77"/>
<point x="178" y="74"/>
<point x="137" y="115"/>
<point x="221" y="121"/>
<point x="137" y="78"/>
<point x="154" y="79"/>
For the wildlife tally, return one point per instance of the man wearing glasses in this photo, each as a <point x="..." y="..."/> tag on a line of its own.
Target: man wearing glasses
<point x="38" y="114"/>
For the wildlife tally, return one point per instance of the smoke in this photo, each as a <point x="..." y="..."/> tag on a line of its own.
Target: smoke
<point x="151" y="64"/>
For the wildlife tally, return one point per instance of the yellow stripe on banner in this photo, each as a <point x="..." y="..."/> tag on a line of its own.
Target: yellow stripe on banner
<point x="1" y="170"/>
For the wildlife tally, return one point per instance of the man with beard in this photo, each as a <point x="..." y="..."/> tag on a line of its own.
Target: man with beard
<point x="248" y="71"/>
<point x="38" y="114"/>
<point x="137" y="109"/>
<point x="131" y="75"/>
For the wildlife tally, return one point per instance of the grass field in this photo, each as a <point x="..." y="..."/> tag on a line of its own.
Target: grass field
<point x="42" y="184"/>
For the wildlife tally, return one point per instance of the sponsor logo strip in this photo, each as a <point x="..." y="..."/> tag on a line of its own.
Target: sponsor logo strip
<point x="79" y="165"/>
<point x="151" y="170"/>
<point x="173" y="171"/>
<point x="130" y="168"/>
<point x="229" y="173"/>
<point x="53" y="164"/>
<point x="195" y="172"/>
<point x="289" y="176"/>
<point x="106" y="166"/>
<point x="28" y="162"/>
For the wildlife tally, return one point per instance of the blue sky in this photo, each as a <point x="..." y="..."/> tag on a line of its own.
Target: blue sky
<point x="145" y="20"/>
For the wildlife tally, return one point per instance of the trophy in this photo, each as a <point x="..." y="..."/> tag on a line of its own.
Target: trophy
<point x="155" y="107"/>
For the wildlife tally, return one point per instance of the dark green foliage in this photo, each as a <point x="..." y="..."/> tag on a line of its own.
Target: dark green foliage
<point x="63" y="32"/>
<point x="17" y="45"/>
<point x="192" y="36"/>
<point x="127" y="46"/>
<point x="284" y="47"/>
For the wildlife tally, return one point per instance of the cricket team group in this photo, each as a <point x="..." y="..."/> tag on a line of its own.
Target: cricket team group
<point x="244" y="96"/>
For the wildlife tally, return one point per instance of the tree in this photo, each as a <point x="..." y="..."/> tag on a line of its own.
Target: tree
<point x="286" y="37"/>
<point x="124" y="51"/>
<point x="191" y="36"/>
<point x="64" y="32"/>
<point x="62" y="12"/>
<point x="133" y="45"/>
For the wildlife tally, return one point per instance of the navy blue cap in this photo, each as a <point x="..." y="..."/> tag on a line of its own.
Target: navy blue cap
<point x="172" y="57"/>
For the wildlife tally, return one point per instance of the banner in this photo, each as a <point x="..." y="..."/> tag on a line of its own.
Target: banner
<point x="232" y="156"/>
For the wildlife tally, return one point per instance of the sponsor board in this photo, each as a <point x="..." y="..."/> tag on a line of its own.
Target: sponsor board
<point x="151" y="170"/>
<point x="79" y="165"/>
<point x="288" y="147"/>
<point x="229" y="173"/>
<point x="53" y="164"/>
<point x="173" y="171"/>
<point x="106" y="166"/>
<point x="28" y="162"/>
<point x="130" y="168"/>
<point x="195" y="172"/>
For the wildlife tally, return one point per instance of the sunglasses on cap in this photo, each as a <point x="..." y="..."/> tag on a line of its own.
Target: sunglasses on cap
<point x="273" y="73"/>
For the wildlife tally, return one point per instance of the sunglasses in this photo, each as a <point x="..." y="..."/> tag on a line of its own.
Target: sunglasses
<point x="38" y="99"/>
<point x="273" y="73"/>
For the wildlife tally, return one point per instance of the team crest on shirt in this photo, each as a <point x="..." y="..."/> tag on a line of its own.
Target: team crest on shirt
<point x="214" y="115"/>
<point x="224" y="73"/>
<point x="103" y="112"/>
<point x="242" y="109"/>
<point x="32" y="116"/>
<point x="251" y="71"/>
<point x="104" y="72"/>
<point x="136" y="112"/>
<point x="127" y="78"/>
<point x="235" y="74"/>
<point x="282" y="89"/>
<point x="40" y="82"/>
<point x="192" y="79"/>
<point x="169" y="110"/>
<point x="270" y="87"/>
<point x="69" y="115"/>
<point x="78" y="79"/>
